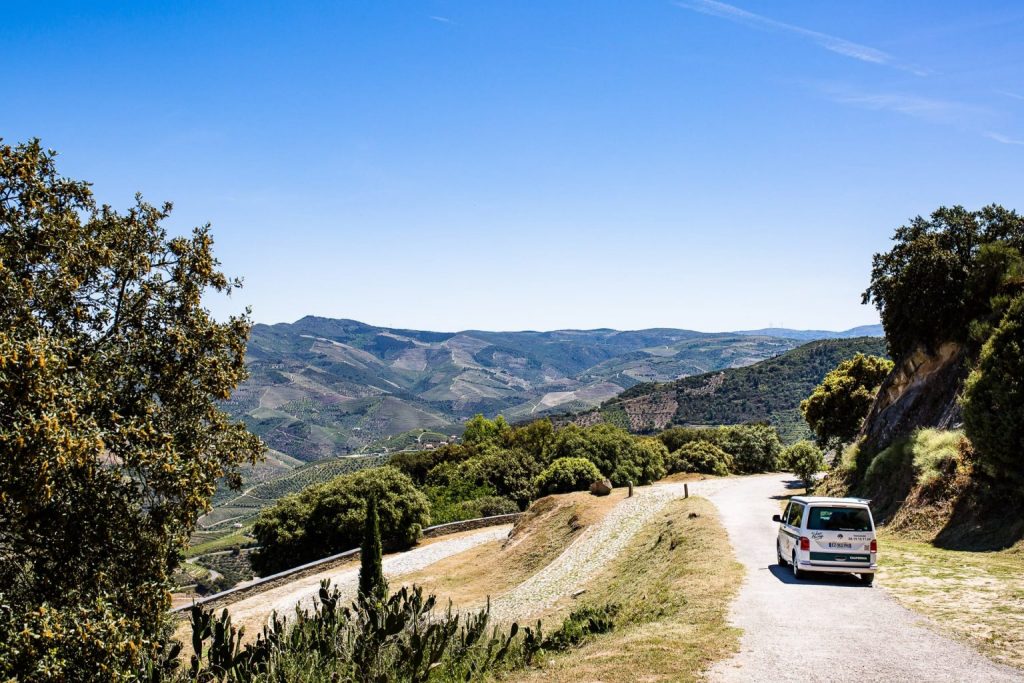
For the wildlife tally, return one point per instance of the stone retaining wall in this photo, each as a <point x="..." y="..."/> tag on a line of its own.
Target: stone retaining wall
<point x="231" y="595"/>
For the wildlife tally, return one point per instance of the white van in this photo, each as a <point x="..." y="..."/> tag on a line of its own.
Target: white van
<point x="828" y="535"/>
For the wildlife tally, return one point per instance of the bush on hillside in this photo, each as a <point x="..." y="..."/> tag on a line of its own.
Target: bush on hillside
<point x="888" y="465"/>
<point x="565" y="475"/>
<point x="622" y="456"/>
<point x="934" y="453"/>
<point x="753" y="447"/>
<point x="804" y="459"/>
<point x="327" y="518"/>
<point x="837" y="407"/>
<point x="993" y="400"/>
<point x="701" y="456"/>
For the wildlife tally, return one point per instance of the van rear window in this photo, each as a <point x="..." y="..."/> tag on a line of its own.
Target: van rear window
<point x="839" y="519"/>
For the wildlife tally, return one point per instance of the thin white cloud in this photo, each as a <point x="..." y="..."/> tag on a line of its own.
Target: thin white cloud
<point x="1012" y="95"/>
<point x="443" y="20"/>
<point x="841" y="46"/>
<point x="927" y="108"/>
<point x="1003" y="139"/>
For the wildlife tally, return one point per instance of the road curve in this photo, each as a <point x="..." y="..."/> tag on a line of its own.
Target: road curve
<point x="825" y="629"/>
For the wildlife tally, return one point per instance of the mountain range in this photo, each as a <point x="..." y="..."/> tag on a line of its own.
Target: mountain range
<point x="323" y="387"/>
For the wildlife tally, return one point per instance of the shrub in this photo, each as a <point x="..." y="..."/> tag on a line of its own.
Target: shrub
<point x="804" y="459"/>
<point x="993" y="400"/>
<point x="934" y="453"/>
<point x="622" y="456"/>
<point x="567" y="474"/>
<point x="581" y="624"/>
<point x="753" y="447"/>
<point x="398" y="638"/>
<point x="887" y="464"/>
<point x="701" y="456"/>
<point x="327" y="518"/>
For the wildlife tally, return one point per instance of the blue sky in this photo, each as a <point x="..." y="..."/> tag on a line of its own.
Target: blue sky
<point x="532" y="165"/>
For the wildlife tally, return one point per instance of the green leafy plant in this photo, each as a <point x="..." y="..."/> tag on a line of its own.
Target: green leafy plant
<point x="567" y="474"/>
<point x="836" y="408"/>
<point x="113" y="440"/>
<point x="701" y="456"/>
<point x="804" y="459"/>
<point x="328" y="518"/>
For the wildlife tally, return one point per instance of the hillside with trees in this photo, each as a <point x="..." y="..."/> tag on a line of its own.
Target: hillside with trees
<point x="322" y="388"/>
<point x="770" y="391"/>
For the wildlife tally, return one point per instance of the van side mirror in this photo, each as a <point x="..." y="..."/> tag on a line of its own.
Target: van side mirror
<point x="776" y="518"/>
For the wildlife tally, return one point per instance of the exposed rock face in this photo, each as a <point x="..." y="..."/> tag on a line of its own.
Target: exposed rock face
<point x="922" y="391"/>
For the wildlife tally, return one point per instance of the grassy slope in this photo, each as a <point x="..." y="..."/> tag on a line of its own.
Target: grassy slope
<point x="974" y="596"/>
<point x="547" y="528"/>
<point x="674" y="583"/>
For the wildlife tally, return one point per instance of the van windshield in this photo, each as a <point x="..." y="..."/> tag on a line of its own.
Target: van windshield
<point x="839" y="519"/>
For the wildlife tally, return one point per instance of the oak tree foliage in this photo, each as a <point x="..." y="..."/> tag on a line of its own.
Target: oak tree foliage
<point x="940" y="277"/>
<point x="112" y="439"/>
<point x="837" y="407"/>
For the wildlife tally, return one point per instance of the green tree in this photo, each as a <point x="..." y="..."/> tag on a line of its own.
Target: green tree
<point x="112" y="439"/>
<point x="701" y="456"/>
<point x="993" y="402"/>
<point x="372" y="584"/>
<point x="804" y="459"/>
<point x="616" y="452"/>
<point x="328" y="518"/>
<point x="565" y="475"/>
<point x="753" y="447"/>
<point x="942" y="273"/>
<point x="479" y="430"/>
<point x="836" y="408"/>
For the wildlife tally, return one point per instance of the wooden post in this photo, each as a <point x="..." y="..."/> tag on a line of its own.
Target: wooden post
<point x="686" y="490"/>
<point x="630" y="488"/>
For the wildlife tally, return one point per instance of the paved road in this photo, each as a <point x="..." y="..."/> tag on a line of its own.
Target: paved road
<point x="825" y="629"/>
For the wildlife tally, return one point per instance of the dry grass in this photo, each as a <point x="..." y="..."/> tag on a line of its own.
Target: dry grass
<point x="974" y="596"/>
<point x="541" y="535"/>
<point x="674" y="584"/>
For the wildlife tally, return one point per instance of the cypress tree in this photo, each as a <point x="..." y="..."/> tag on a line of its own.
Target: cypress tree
<point x="372" y="584"/>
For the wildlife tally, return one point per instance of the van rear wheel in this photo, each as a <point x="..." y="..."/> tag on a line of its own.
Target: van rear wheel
<point x="778" y="553"/>
<point x="797" y="574"/>
<point x="867" y="579"/>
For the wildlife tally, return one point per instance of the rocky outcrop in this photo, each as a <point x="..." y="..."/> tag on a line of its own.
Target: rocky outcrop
<point x="923" y="390"/>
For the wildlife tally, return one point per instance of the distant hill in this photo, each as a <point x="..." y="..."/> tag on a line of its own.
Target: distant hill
<point x="322" y="388"/>
<point x="770" y="390"/>
<point x="811" y="335"/>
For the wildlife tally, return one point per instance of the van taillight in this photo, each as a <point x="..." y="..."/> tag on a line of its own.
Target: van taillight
<point x="805" y="543"/>
<point x="874" y="546"/>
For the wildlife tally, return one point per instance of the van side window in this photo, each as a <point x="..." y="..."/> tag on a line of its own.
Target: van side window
<point x="796" y="514"/>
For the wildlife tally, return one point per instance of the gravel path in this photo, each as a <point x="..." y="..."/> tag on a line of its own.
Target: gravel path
<point x="829" y="628"/>
<point x="256" y="609"/>
<point x="593" y="550"/>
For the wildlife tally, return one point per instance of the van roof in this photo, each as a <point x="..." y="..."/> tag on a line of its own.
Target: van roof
<point x="831" y="501"/>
